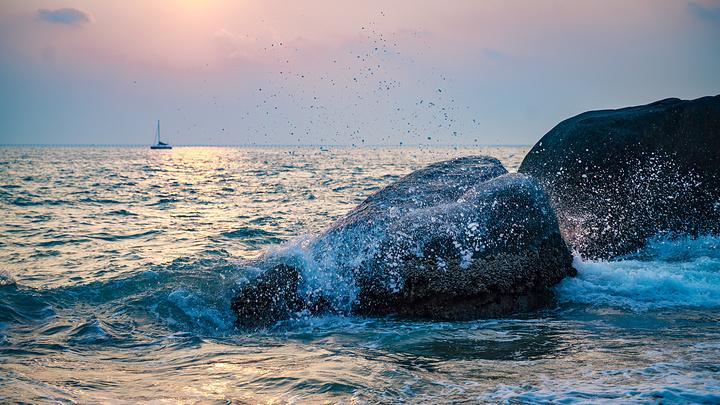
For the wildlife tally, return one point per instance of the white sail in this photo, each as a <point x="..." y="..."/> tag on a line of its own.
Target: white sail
<point x="158" y="143"/>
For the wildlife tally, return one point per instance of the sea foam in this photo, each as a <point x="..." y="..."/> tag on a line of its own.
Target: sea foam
<point x="666" y="274"/>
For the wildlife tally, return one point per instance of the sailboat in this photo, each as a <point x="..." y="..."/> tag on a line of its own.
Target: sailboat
<point x="159" y="144"/>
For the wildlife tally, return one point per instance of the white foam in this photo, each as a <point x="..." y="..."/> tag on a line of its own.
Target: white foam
<point x="320" y="272"/>
<point x="668" y="274"/>
<point x="597" y="388"/>
<point x="6" y="278"/>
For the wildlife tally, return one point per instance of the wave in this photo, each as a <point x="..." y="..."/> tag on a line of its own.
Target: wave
<point x="163" y="201"/>
<point x="247" y="232"/>
<point x="194" y="293"/>
<point x="251" y="236"/>
<point x="110" y="237"/>
<point x="58" y="242"/>
<point x="122" y="213"/>
<point x="185" y="295"/>
<point x="6" y="278"/>
<point x="31" y="202"/>
<point x="668" y="273"/>
<point x="100" y="201"/>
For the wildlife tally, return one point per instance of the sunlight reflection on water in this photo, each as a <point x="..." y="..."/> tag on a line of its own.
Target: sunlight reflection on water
<point x="125" y="261"/>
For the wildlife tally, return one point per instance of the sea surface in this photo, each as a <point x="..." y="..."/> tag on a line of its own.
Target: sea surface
<point x="118" y="264"/>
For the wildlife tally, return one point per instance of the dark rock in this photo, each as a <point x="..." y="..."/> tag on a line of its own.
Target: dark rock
<point x="456" y="240"/>
<point x="270" y="297"/>
<point x="430" y="186"/>
<point x="618" y="177"/>
<point x="362" y="229"/>
<point x="273" y="296"/>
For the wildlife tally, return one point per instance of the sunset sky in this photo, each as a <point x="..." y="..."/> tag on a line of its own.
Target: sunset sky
<point x="320" y="72"/>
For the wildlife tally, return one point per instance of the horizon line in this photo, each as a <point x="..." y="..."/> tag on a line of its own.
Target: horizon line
<point x="93" y="145"/>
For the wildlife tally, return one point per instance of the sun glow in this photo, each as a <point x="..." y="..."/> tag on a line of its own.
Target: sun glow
<point x="198" y="2"/>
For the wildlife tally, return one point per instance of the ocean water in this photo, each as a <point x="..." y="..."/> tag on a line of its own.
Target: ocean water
<point x="117" y="267"/>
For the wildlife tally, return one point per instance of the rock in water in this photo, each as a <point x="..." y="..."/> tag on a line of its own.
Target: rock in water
<point x="618" y="177"/>
<point x="273" y="296"/>
<point x="457" y="240"/>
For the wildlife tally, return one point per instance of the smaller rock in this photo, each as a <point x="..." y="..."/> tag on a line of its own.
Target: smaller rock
<point x="273" y="296"/>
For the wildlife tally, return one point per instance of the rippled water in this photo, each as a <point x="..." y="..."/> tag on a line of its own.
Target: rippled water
<point x="117" y="266"/>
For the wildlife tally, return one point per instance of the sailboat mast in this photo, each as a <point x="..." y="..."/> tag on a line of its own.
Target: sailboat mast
<point x="158" y="143"/>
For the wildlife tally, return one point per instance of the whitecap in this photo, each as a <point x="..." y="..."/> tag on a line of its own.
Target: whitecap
<point x="6" y="278"/>
<point x="668" y="274"/>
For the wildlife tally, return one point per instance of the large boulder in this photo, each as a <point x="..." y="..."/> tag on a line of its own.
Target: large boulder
<point x="457" y="240"/>
<point x="618" y="177"/>
<point x="493" y="251"/>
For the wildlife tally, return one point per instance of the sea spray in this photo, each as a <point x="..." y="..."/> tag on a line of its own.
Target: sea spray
<point x="6" y="278"/>
<point x="457" y="240"/>
<point x="315" y="275"/>
<point x="147" y="319"/>
<point x="669" y="273"/>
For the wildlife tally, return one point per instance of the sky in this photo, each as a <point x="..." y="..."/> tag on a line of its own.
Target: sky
<point x="340" y="72"/>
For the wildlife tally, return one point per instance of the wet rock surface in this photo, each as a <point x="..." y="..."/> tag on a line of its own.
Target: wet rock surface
<point x="618" y="177"/>
<point x="457" y="240"/>
<point x="273" y="296"/>
<point x="494" y="251"/>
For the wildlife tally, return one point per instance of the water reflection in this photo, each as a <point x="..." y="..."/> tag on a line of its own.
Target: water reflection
<point x="219" y="195"/>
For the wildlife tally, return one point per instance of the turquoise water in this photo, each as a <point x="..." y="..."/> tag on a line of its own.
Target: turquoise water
<point x="117" y="267"/>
